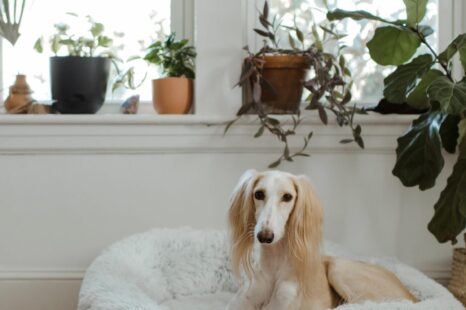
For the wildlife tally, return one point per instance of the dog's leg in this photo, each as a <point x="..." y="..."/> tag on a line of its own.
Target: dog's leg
<point x="252" y="297"/>
<point x="357" y="282"/>
<point x="285" y="296"/>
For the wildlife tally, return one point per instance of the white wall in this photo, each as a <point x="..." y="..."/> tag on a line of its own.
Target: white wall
<point x="68" y="191"/>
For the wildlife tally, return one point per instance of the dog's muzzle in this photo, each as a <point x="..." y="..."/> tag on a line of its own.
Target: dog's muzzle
<point x="265" y="236"/>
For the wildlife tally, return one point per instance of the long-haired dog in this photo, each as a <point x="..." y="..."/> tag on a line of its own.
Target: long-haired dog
<point x="279" y="215"/>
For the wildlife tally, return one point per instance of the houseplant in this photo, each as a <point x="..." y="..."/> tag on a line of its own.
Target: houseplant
<point x="79" y="79"/>
<point x="425" y="81"/>
<point x="173" y="94"/>
<point x="273" y="80"/>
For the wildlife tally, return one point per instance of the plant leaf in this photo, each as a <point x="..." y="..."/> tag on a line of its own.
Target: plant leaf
<point x="323" y="115"/>
<point x="419" y="153"/>
<point x="355" y="15"/>
<point x="416" y="10"/>
<point x="393" y="46"/>
<point x="97" y="29"/>
<point x="449" y="132"/>
<point x="450" y="210"/>
<point x="275" y="164"/>
<point x="402" y="81"/>
<point x="38" y="46"/>
<point x="261" y="32"/>
<point x="260" y="132"/>
<point x="458" y="45"/>
<point x="462" y="131"/>
<point x="450" y="95"/>
<point x="418" y="97"/>
<point x="426" y="30"/>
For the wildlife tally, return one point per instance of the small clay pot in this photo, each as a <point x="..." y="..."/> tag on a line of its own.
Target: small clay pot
<point x="173" y="95"/>
<point x="285" y="76"/>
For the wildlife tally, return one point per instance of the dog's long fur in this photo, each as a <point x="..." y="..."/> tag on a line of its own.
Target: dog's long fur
<point x="291" y="273"/>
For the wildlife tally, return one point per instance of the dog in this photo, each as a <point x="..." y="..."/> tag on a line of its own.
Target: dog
<point x="279" y="215"/>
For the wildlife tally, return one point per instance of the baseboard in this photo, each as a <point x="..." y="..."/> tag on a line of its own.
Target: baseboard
<point x="441" y="276"/>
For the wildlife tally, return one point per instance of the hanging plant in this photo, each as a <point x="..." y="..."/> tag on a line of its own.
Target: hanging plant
<point x="266" y="93"/>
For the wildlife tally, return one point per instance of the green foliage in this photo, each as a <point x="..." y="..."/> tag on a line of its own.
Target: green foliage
<point x="457" y="46"/>
<point x="420" y="159"/>
<point x="329" y="83"/>
<point x="418" y="97"/>
<point x="450" y="95"/>
<point x="416" y="10"/>
<point x="425" y="82"/>
<point x="95" y="43"/>
<point x="11" y="16"/>
<point x="450" y="133"/>
<point x="450" y="211"/>
<point x="176" y="58"/>
<point x="393" y="46"/>
<point x="403" y="79"/>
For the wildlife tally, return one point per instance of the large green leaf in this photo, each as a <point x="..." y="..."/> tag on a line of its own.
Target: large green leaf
<point x="419" y="153"/>
<point x="449" y="132"/>
<point x="403" y="80"/>
<point x="461" y="131"/>
<point x="450" y="211"/>
<point x="418" y="97"/>
<point x="450" y="95"/>
<point x="416" y="10"/>
<point x="356" y="15"/>
<point x="393" y="46"/>
<point x="457" y="46"/>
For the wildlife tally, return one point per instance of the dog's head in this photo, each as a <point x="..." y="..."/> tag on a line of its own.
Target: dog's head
<point x="273" y="207"/>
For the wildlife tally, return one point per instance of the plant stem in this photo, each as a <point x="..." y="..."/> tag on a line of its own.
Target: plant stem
<point x="436" y="56"/>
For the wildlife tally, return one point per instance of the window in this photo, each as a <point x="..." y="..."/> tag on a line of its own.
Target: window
<point x="132" y="25"/>
<point x="368" y="76"/>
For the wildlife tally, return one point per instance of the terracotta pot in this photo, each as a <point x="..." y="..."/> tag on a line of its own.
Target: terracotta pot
<point x="286" y="75"/>
<point x="172" y="95"/>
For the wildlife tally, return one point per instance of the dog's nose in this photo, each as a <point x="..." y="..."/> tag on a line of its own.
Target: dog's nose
<point x="265" y="236"/>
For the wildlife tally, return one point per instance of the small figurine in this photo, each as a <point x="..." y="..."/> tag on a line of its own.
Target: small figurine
<point x="131" y="105"/>
<point x="20" y="98"/>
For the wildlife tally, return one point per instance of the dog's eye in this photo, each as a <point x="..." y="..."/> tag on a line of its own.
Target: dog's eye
<point x="287" y="197"/>
<point x="259" y="195"/>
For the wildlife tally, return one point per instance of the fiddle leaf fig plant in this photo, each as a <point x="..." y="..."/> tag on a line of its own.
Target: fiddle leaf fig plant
<point x="329" y="83"/>
<point x="11" y="16"/>
<point x="425" y="82"/>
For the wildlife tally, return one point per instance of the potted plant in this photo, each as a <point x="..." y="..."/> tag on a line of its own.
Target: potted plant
<point x="173" y="94"/>
<point x="79" y="79"/>
<point x="425" y="82"/>
<point x="274" y="78"/>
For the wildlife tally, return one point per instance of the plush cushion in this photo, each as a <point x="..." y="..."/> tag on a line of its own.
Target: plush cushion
<point x="189" y="269"/>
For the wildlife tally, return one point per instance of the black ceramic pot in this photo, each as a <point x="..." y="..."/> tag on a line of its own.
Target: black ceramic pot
<point x="79" y="84"/>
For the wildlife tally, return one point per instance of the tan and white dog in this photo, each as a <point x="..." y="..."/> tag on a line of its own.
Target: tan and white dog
<point x="280" y="213"/>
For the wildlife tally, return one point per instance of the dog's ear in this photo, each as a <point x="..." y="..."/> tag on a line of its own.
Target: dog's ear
<point x="241" y="218"/>
<point x="304" y="231"/>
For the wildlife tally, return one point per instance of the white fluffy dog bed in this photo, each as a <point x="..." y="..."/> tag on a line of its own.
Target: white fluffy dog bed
<point x="188" y="269"/>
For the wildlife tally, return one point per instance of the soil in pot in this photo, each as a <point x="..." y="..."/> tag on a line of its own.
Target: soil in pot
<point x="172" y="95"/>
<point x="79" y="84"/>
<point x="285" y="76"/>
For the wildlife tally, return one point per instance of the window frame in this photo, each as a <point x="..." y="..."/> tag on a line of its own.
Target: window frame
<point x="182" y="22"/>
<point x="450" y="19"/>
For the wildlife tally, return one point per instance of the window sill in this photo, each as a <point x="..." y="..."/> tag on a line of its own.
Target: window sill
<point x="171" y="134"/>
<point x="189" y="119"/>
